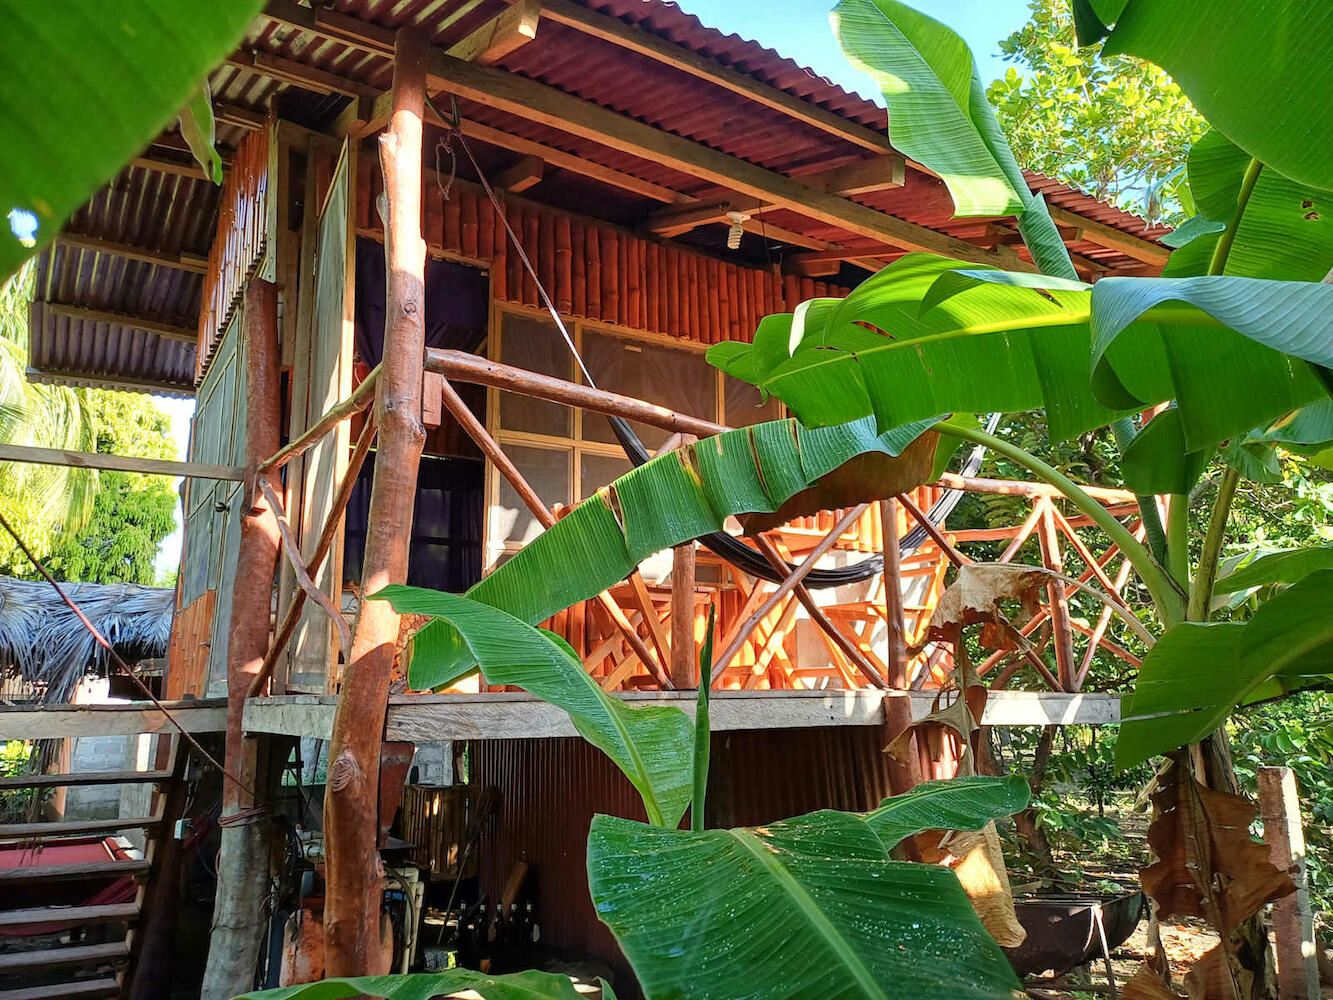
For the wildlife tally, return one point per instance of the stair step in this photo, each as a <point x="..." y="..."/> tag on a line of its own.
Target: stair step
<point x="86" y="988"/>
<point x="83" y="778"/>
<point x="83" y="914"/>
<point x="86" y="869"/>
<point x="75" y="827"/>
<point x="79" y="954"/>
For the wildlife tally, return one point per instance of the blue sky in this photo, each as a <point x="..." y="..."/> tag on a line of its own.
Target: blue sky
<point x="799" y="29"/>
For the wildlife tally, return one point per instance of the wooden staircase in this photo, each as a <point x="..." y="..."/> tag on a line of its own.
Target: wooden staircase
<point x="81" y="949"/>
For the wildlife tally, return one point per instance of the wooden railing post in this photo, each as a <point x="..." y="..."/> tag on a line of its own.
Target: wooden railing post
<point x="243" y="856"/>
<point x="904" y="771"/>
<point x="684" y="669"/>
<point x="1059" y="597"/>
<point x="1293" y="919"/>
<point x="351" y="801"/>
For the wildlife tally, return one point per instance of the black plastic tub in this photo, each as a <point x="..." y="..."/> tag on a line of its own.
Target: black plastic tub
<point x="1062" y="928"/>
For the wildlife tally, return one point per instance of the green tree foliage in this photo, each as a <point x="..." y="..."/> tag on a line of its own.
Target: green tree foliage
<point x="132" y="513"/>
<point x="1124" y="139"/>
<point x="38" y="500"/>
<point x="85" y="526"/>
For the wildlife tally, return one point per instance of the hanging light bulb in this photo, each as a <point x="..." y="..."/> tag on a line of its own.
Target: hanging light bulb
<point x="738" y="220"/>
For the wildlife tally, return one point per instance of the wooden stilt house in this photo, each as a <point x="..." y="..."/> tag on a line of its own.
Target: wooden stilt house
<point x="660" y="187"/>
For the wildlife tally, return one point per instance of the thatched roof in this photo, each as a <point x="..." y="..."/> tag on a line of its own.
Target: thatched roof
<point x="43" y="642"/>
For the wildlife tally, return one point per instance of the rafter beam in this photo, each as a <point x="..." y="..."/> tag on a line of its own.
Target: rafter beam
<point x="861" y="177"/>
<point x="1112" y="238"/>
<point x="166" y="166"/>
<point x="524" y="174"/>
<point x="125" y="383"/>
<point x="178" y="261"/>
<point x="167" y="331"/>
<point x="548" y="106"/>
<point x="501" y="35"/>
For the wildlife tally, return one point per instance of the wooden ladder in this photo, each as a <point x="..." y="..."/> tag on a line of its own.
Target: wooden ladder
<point x="95" y="954"/>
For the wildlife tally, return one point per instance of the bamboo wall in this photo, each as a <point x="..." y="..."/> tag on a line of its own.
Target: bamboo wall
<point x="238" y="247"/>
<point x="593" y="270"/>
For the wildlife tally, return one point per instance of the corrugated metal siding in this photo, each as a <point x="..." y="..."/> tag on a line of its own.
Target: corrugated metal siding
<point x="550" y="789"/>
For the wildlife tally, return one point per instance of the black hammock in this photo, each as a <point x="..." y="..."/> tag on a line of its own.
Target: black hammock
<point x="736" y="552"/>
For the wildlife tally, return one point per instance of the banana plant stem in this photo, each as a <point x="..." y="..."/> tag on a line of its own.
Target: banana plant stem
<point x="1168" y="598"/>
<point x="1223" y="249"/>
<point x="1201" y="593"/>
<point x="1178" y="539"/>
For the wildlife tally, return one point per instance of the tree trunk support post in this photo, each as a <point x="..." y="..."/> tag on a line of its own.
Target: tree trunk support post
<point x="684" y="669"/>
<point x="351" y="801"/>
<point x="1293" y="919"/>
<point x="243" y="857"/>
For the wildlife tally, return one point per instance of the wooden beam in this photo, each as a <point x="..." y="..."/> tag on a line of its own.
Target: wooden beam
<point x="549" y="106"/>
<point x="28" y="722"/>
<point x="117" y="463"/>
<point x="238" y="116"/>
<point x="498" y="715"/>
<point x="167" y="331"/>
<point x="618" y="33"/>
<point x="524" y="174"/>
<point x="1112" y="238"/>
<point x="501" y="35"/>
<point x="299" y="74"/>
<point x="364" y="35"/>
<point x="82" y="778"/>
<point x="181" y="262"/>
<point x="862" y="176"/>
<point x="121" y="383"/>
<point x="168" y="166"/>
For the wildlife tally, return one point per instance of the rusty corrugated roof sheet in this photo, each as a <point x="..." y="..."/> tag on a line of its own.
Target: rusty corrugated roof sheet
<point x="167" y="212"/>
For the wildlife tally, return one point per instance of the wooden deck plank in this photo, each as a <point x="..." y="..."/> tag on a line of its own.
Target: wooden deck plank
<point x="71" y="828"/>
<point x="82" y="990"/>
<point x="429" y="718"/>
<point x="75" y="955"/>
<point x="82" y="778"/>
<point x="87" y="869"/>
<point x="32" y="722"/>
<point x="83" y="914"/>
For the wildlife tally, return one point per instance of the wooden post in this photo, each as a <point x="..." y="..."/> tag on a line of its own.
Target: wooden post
<point x="351" y="800"/>
<point x="243" y="857"/>
<point x="904" y="774"/>
<point x="684" y="672"/>
<point x="1293" y="919"/>
<point x="1051" y="559"/>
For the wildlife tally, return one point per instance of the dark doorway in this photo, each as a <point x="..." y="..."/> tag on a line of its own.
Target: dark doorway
<point x="446" y="546"/>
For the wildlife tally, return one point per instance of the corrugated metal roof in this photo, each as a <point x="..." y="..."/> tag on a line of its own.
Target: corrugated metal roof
<point x="166" y="212"/>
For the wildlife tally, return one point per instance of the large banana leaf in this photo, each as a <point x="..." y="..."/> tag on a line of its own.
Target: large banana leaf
<point x="1256" y="70"/>
<point x="1287" y="567"/>
<point x="424" y="986"/>
<point x="806" y="907"/>
<point x="1196" y="673"/>
<point x="682" y="495"/>
<point x="1225" y="382"/>
<point x="652" y="746"/>
<point x="967" y="803"/>
<point x="997" y="348"/>
<point x="83" y="87"/>
<point x="992" y="340"/>
<point x="1157" y="461"/>
<point x="939" y="116"/>
<point x="1285" y="231"/>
